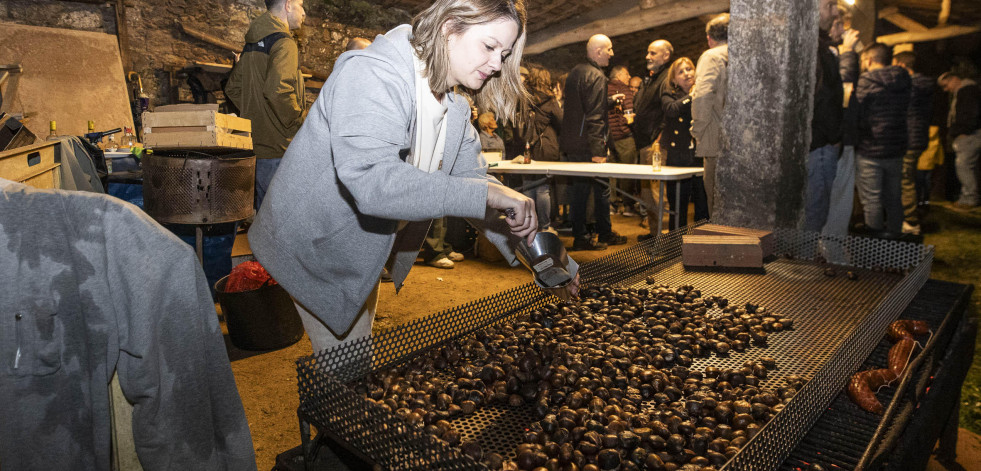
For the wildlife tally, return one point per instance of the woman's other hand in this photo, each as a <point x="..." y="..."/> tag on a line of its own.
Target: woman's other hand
<point x="525" y="222"/>
<point x="567" y="292"/>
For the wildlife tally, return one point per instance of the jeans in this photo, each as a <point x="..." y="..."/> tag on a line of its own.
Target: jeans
<point x="582" y="187"/>
<point x="821" y="168"/>
<point x="264" y="171"/>
<point x="924" y="184"/>
<point x="909" y="187"/>
<point x="879" y="183"/>
<point x="542" y="195"/>
<point x="842" y="197"/>
<point x="968" y="149"/>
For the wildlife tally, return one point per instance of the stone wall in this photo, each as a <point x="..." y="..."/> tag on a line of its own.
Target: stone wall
<point x="161" y="54"/>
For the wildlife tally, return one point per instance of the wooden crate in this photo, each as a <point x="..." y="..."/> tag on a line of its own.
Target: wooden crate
<point x="37" y="165"/>
<point x="195" y="127"/>
<point x="721" y="251"/>
<point x="767" y="241"/>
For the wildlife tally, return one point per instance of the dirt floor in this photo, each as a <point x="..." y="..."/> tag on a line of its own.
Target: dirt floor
<point x="267" y="380"/>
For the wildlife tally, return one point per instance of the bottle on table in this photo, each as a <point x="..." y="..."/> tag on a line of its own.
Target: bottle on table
<point x="53" y="134"/>
<point x="527" y="153"/>
<point x="656" y="157"/>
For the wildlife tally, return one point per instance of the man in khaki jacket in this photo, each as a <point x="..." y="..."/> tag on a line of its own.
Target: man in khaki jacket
<point x="709" y="99"/>
<point x="267" y="87"/>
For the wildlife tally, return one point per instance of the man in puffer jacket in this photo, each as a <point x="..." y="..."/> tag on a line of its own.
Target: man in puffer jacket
<point x="918" y="126"/>
<point x="883" y="95"/>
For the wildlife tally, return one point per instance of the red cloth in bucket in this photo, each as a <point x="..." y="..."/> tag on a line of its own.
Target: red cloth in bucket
<point x="248" y="276"/>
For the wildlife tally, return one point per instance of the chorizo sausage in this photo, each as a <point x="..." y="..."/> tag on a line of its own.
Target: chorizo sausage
<point x="862" y="387"/>
<point x="906" y="329"/>
<point x="899" y="355"/>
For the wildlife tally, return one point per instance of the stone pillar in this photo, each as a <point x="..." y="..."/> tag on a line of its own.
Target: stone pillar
<point x="761" y="176"/>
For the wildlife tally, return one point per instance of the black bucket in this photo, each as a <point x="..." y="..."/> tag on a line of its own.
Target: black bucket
<point x="260" y="319"/>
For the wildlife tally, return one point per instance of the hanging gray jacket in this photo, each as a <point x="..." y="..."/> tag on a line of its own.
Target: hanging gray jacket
<point x="331" y="217"/>
<point x="91" y="285"/>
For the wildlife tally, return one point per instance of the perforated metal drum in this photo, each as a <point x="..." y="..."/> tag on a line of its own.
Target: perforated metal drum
<point x="182" y="187"/>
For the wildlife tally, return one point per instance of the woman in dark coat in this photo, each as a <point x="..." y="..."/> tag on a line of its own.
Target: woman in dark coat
<point x="541" y="126"/>
<point x="677" y="142"/>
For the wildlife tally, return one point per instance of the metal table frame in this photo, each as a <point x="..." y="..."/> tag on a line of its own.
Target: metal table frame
<point x="605" y="171"/>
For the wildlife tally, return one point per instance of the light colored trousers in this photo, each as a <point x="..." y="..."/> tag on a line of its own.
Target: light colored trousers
<point x="322" y="337"/>
<point x="968" y="149"/>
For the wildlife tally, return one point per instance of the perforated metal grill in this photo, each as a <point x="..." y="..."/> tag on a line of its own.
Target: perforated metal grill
<point x="194" y="188"/>
<point x="837" y="323"/>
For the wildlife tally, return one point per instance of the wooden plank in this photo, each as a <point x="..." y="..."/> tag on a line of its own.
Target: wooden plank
<point x="69" y="76"/>
<point x="767" y="240"/>
<point x="903" y="21"/>
<point x="196" y="140"/>
<point x="186" y="107"/>
<point x="721" y="251"/>
<point x="234" y="47"/>
<point x="194" y="118"/>
<point x="932" y="34"/>
<point x="617" y="18"/>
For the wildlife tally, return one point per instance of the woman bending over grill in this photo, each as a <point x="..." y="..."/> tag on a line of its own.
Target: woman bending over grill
<point x="387" y="147"/>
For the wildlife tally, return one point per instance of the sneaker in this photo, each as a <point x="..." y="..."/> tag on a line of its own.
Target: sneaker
<point x="386" y="277"/>
<point x="588" y="244"/>
<point x="644" y="237"/>
<point x="612" y="239"/>
<point x="911" y="229"/>
<point x="630" y="214"/>
<point x="441" y="262"/>
<point x="455" y="256"/>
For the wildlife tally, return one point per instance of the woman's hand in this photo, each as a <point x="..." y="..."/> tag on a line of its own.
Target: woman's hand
<point x="525" y="221"/>
<point x="567" y="292"/>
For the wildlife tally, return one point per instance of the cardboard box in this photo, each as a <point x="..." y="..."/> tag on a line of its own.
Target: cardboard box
<point x="37" y="165"/>
<point x="767" y="241"/>
<point x="721" y="251"/>
<point x="195" y="127"/>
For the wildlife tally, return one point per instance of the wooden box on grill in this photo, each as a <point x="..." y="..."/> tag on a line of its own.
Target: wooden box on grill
<point x="195" y="127"/>
<point x="767" y="241"/>
<point x="37" y="165"/>
<point x="721" y="251"/>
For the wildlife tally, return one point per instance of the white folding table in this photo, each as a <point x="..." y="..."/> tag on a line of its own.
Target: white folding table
<point x="603" y="172"/>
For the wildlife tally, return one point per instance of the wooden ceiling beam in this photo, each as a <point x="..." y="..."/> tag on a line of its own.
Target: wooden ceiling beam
<point x="617" y="18"/>
<point x="932" y="34"/>
<point x="892" y="15"/>
<point x="944" y="13"/>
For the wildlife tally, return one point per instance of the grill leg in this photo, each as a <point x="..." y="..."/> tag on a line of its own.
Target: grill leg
<point x="199" y="243"/>
<point x="307" y="445"/>
<point x="947" y="445"/>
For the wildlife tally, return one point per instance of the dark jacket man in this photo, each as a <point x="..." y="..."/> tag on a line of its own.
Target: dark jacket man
<point x="585" y="124"/>
<point x="919" y="113"/>
<point x="648" y="114"/>
<point x="267" y="87"/>
<point x="828" y="97"/>
<point x="883" y="100"/>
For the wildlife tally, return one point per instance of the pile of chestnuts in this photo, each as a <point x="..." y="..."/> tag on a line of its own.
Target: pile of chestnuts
<point x="609" y="378"/>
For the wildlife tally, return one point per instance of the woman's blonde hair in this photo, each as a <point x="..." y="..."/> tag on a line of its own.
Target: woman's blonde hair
<point x="677" y="65"/>
<point x="501" y="92"/>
